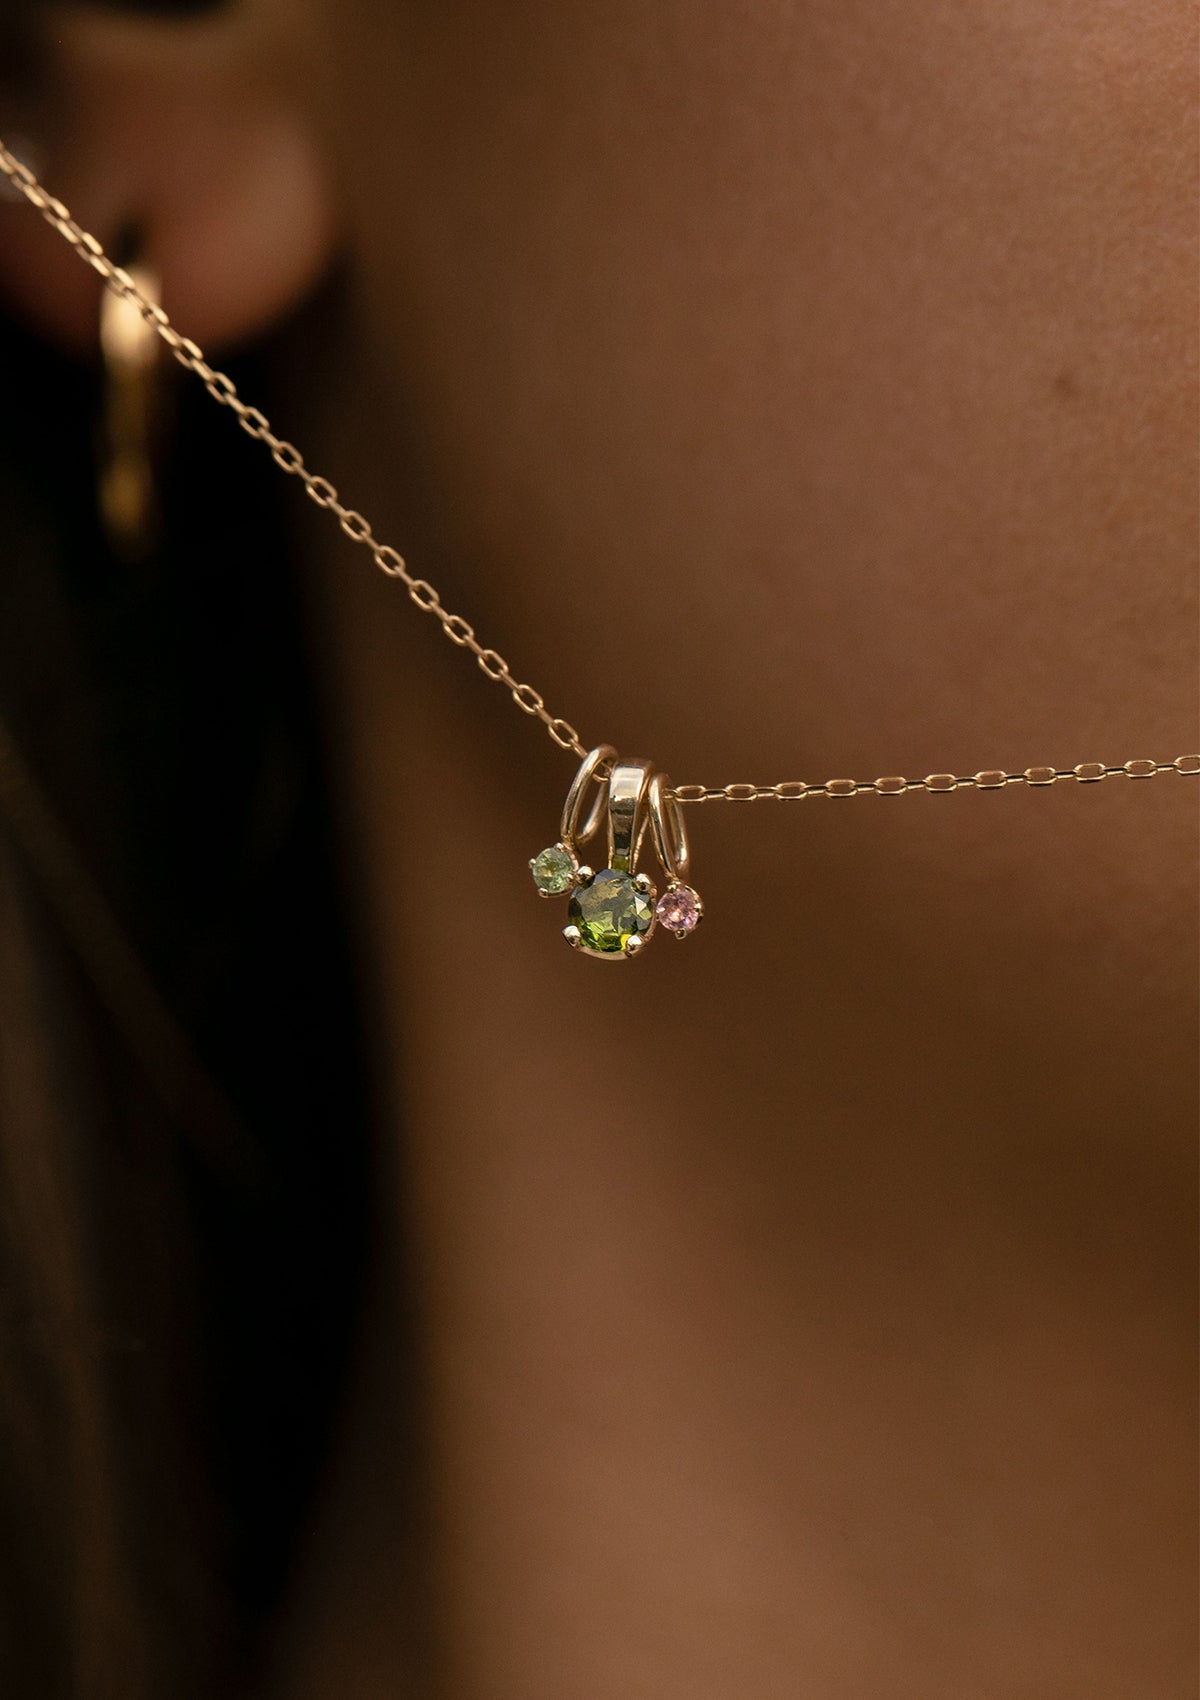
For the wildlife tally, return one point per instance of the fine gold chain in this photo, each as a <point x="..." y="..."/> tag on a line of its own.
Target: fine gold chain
<point x="460" y="632"/>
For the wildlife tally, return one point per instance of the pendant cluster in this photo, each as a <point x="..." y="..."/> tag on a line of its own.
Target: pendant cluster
<point x="612" y="913"/>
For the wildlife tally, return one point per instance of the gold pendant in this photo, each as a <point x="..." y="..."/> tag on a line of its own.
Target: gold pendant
<point x="611" y="914"/>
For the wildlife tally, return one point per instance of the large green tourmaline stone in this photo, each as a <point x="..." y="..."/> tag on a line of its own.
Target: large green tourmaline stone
<point x="609" y="911"/>
<point x="553" y="870"/>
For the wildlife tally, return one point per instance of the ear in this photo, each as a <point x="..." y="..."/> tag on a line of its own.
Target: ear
<point x="190" y="138"/>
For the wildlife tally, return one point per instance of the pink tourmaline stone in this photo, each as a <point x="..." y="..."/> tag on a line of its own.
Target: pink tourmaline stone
<point x="678" y="909"/>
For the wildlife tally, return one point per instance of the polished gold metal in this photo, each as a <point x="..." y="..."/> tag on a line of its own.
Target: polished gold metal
<point x="592" y="770"/>
<point x="628" y="794"/>
<point x="460" y="632"/>
<point x="668" y="830"/>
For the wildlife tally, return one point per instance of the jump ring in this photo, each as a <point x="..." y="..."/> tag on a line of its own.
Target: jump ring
<point x="670" y="834"/>
<point x="571" y="833"/>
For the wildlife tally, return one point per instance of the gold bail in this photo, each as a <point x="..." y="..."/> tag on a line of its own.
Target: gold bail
<point x="628" y="789"/>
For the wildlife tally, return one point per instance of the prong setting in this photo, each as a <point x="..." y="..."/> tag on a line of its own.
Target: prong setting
<point x="679" y="909"/>
<point x="612" y="913"/>
<point x="553" y="869"/>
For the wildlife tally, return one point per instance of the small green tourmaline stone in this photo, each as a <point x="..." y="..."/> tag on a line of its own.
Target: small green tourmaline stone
<point x="608" y="911"/>
<point x="553" y="870"/>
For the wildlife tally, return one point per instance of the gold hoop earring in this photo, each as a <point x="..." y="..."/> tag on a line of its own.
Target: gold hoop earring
<point x="127" y="486"/>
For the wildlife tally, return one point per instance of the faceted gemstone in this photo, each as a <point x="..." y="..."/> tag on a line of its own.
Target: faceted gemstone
<point x="678" y="909"/>
<point x="553" y="870"/>
<point x="609" y="911"/>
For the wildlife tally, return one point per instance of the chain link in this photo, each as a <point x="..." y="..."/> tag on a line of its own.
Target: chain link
<point x="990" y="779"/>
<point x="459" y="631"/>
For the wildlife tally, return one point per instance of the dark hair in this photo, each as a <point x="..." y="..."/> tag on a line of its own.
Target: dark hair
<point x="184" y="1160"/>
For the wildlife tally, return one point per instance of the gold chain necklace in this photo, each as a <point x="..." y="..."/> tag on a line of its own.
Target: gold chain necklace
<point x="613" y="912"/>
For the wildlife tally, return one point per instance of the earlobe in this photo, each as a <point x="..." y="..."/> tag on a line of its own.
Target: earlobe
<point x="184" y="134"/>
<point x="241" y="225"/>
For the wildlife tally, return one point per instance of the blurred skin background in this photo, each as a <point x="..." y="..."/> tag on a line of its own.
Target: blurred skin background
<point x="394" y="1304"/>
